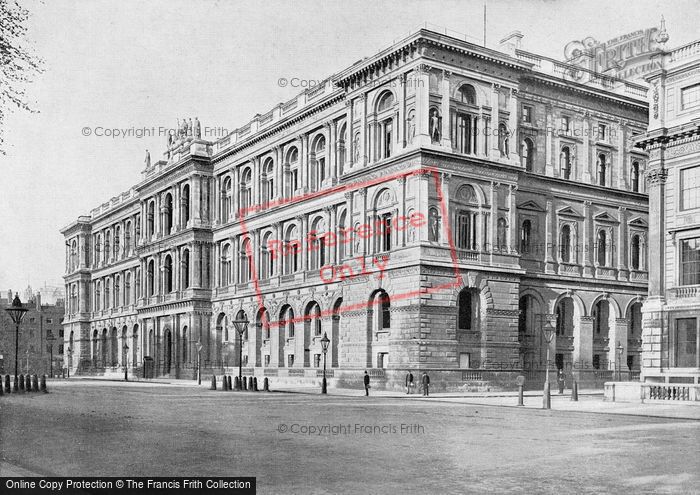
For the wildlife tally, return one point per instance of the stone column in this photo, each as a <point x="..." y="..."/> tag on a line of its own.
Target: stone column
<point x="350" y="236"/>
<point x="620" y="168"/>
<point x="196" y="264"/>
<point x="196" y="200"/>
<point x="402" y="210"/>
<point x="585" y="174"/>
<point x="445" y="192"/>
<point x="332" y="150"/>
<point x="494" y="151"/>
<point x="513" y="141"/>
<point x="350" y="142"/>
<point x="482" y="143"/>
<point x="331" y="227"/>
<point x="423" y="194"/>
<point x="401" y="119"/>
<point x="422" y="105"/>
<point x="493" y="230"/>
<point x="255" y="186"/>
<point x="446" y="141"/>
<point x="618" y="335"/>
<point x="587" y="240"/>
<point x="549" y="132"/>
<point x="363" y="152"/>
<point x="622" y="245"/>
<point x="583" y="343"/>
<point x="656" y="186"/>
<point x="304" y="224"/>
<point x="363" y="219"/>
<point x="512" y="220"/>
<point x="279" y="173"/>
<point x="550" y="237"/>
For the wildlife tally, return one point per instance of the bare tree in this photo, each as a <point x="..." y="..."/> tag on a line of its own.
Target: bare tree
<point x="18" y="62"/>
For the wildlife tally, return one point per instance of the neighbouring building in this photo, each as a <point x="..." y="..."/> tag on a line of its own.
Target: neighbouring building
<point x="535" y="218"/>
<point x="39" y="322"/>
<point x="670" y="351"/>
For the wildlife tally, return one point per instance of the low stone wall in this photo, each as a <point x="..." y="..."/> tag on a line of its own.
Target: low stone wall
<point x="650" y="391"/>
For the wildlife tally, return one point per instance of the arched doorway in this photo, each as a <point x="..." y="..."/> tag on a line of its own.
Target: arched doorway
<point x="378" y="329"/>
<point x="103" y="349"/>
<point x="564" y="331"/>
<point x="168" y="350"/>
<point x="335" y="332"/>
<point x="285" y="339"/>
<point x="313" y="331"/>
<point x="528" y="331"/>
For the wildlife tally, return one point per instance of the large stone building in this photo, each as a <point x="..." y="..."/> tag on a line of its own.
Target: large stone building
<point x="40" y="321"/>
<point x="530" y="209"/>
<point x="672" y="311"/>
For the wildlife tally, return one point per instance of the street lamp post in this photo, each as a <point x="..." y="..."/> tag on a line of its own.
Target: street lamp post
<point x="241" y="326"/>
<point x="619" y="360"/>
<point x="125" y="354"/>
<point x="70" y="359"/>
<point x="324" y="346"/>
<point x="50" y="339"/>
<point x="199" y="362"/>
<point x="16" y="312"/>
<point x="546" y="399"/>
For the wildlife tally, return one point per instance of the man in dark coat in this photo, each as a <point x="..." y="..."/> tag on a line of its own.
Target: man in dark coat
<point x="426" y="384"/>
<point x="366" y="383"/>
<point x="561" y="381"/>
<point x="409" y="382"/>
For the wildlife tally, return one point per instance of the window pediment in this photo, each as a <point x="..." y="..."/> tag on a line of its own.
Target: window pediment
<point x="530" y="205"/>
<point x="605" y="218"/>
<point x="568" y="211"/>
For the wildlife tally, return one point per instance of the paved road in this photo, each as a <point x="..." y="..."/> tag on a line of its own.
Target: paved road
<point x="116" y="429"/>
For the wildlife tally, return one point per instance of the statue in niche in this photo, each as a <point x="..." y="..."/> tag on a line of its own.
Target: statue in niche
<point x="190" y="128"/>
<point x="411" y="126"/>
<point x="356" y="149"/>
<point x="197" y="128"/>
<point x="434" y="126"/>
<point x="434" y="221"/>
<point x="148" y="159"/>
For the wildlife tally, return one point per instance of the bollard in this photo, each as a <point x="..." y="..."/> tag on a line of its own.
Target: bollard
<point x="546" y="398"/>
<point x="236" y="383"/>
<point x="35" y="383"/>
<point x="266" y="385"/>
<point x="230" y="387"/>
<point x="574" y="391"/>
<point x="2" y="389"/>
<point x="7" y="384"/>
<point x="43" y="384"/>
<point x="21" y="383"/>
<point x="520" y="395"/>
<point x="15" y="385"/>
<point x="224" y="383"/>
<point x="28" y="383"/>
<point x="213" y="382"/>
<point x="255" y="384"/>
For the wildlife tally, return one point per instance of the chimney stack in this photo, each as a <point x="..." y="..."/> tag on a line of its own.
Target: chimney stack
<point x="511" y="42"/>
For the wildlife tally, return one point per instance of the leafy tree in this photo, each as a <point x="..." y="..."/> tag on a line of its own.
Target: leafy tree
<point x="18" y="62"/>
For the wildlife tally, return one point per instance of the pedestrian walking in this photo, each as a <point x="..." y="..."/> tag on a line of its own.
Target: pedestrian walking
<point x="561" y="381"/>
<point x="409" y="382"/>
<point x="366" y="383"/>
<point x="426" y="384"/>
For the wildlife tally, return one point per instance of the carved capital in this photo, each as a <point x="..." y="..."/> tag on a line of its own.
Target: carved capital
<point x="657" y="176"/>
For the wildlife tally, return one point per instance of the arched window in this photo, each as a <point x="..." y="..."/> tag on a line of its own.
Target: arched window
<point x="636" y="320"/>
<point x="267" y="256"/>
<point x="314" y="315"/>
<point x="127" y="289"/>
<point x="244" y="262"/>
<point x="466" y="204"/>
<point x="127" y="239"/>
<point x="168" y="214"/>
<point x="168" y="274"/>
<point x="386" y="102"/>
<point x="602" y="169"/>
<point x="185" y="204"/>
<point x="268" y="180"/>
<point x="601" y="315"/>
<point x="384" y="232"/>
<point x="343" y="251"/>
<point x="226" y="265"/>
<point x="468" y="309"/>
<point x="565" y="317"/>
<point x="184" y="344"/>
<point x="291" y="172"/>
<point x="108" y="293"/>
<point x="318" y="160"/>
<point x="634" y="176"/>
<point x="602" y="247"/>
<point x="108" y="246"/>
<point x="227" y="199"/>
<point x="185" y="269"/>
<point x="98" y="296"/>
<point x="318" y="244"/>
<point x="565" y="244"/>
<point x="150" y="289"/>
<point x="565" y="163"/>
<point x="635" y="252"/>
<point x="74" y="300"/>
<point x="385" y="106"/>
<point x="527" y="154"/>
<point x="246" y="194"/>
<point x="117" y="294"/>
<point x="525" y="230"/>
<point x="73" y="256"/>
<point x="342" y="148"/>
<point x="467" y="94"/>
<point x="117" y="236"/>
<point x="287" y="322"/>
<point x="150" y="219"/>
<point x="384" y="310"/>
<point x="292" y="251"/>
<point x="501" y="236"/>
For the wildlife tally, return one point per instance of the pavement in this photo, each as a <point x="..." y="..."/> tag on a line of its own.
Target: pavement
<point x="299" y="441"/>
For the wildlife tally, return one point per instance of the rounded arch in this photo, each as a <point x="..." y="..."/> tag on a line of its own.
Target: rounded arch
<point x="639" y="299"/>
<point x="470" y="194"/>
<point x="579" y="305"/>
<point x="466" y="93"/>
<point x="383" y="101"/>
<point x="292" y="155"/>
<point x="383" y="198"/>
<point x="612" y="302"/>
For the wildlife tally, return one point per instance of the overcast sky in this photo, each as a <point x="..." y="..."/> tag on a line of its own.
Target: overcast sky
<point x="124" y="64"/>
